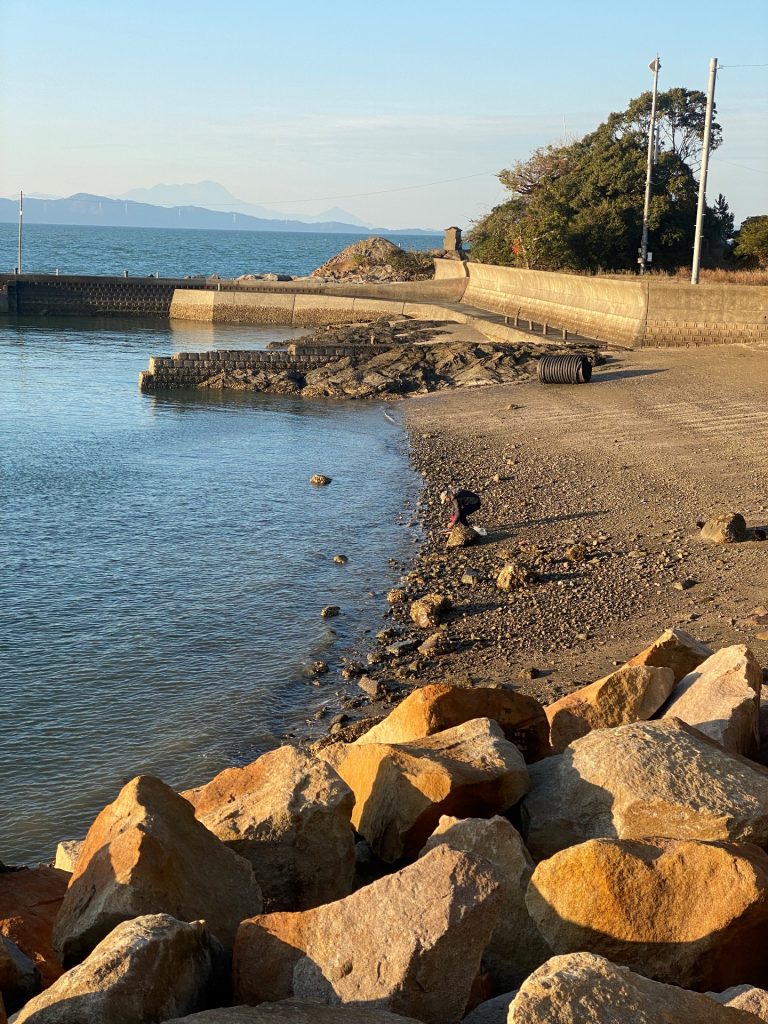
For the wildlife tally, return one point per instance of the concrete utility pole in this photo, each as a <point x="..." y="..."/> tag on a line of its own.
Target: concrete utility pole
<point x="21" y="215"/>
<point x="704" y="169"/>
<point x="642" y="259"/>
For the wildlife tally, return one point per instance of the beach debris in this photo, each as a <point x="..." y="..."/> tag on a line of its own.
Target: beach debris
<point x="392" y="945"/>
<point x="402" y="789"/>
<point x="319" y="480"/>
<point x="147" y="854"/>
<point x="144" y="969"/>
<point x="430" y="610"/>
<point x="289" y="815"/>
<point x="640" y="920"/>
<point x="725" y="528"/>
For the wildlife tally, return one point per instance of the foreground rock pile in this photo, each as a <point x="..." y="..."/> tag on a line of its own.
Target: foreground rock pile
<point x="376" y="259"/>
<point x="474" y="856"/>
<point x="408" y="367"/>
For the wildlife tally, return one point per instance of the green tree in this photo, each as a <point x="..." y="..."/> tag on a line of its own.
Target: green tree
<point x="752" y="241"/>
<point x="580" y="206"/>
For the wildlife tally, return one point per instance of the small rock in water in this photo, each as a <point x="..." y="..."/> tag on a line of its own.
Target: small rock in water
<point x="320" y="667"/>
<point x="319" y="480"/>
<point x="330" y="611"/>
<point x="396" y="596"/>
<point x="340" y="559"/>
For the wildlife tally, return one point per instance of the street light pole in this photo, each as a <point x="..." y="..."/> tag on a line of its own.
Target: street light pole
<point x="704" y="168"/>
<point x="642" y="259"/>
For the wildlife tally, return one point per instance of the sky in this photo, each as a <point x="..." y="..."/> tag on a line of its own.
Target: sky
<point x="400" y="112"/>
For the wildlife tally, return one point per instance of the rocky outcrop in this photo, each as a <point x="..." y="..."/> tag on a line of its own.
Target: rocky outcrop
<point x="19" y="978"/>
<point x="516" y="947"/>
<point x="630" y="694"/>
<point x="436" y="707"/>
<point x="147" y="854"/>
<point x="29" y="902"/>
<point x="145" y="970"/>
<point x="401" y="790"/>
<point x="289" y="815"/>
<point x="585" y="989"/>
<point x="674" y="649"/>
<point x="430" y="610"/>
<point x="725" y="528"/>
<point x="647" y="779"/>
<point x="744" y="997"/>
<point x="410" y="942"/>
<point x="721" y="698"/>
<point x="294" y="1011"/>
<point x="683" y="912"/>
<point x="376" y="259"/>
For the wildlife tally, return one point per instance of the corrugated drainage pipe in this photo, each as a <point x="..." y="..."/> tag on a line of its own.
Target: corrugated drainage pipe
<point x="564" y="370"/>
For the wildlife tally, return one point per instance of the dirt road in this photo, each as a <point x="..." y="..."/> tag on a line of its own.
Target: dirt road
<point x="626" y="465"/>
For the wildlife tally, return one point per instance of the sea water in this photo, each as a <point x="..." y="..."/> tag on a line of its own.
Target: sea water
<point x="164" y="561"/>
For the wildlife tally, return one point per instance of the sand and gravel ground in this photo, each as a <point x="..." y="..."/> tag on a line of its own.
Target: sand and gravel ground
<point x="625" y="465"/>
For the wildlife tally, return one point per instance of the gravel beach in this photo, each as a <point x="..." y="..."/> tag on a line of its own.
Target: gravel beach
<point x="599" y="488"/>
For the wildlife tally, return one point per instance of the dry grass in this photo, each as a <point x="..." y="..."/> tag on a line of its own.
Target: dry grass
<point x="706" y="276"/>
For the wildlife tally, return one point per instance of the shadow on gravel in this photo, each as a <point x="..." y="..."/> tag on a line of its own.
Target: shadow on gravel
<point x="598" y="377"/>
<point x="548" y="520"/>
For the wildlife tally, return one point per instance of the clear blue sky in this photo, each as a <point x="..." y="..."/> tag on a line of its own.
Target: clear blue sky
<point x="301" y="106"/>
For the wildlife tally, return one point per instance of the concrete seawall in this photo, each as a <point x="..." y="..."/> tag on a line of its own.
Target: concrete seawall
<point x="636" y="312"/>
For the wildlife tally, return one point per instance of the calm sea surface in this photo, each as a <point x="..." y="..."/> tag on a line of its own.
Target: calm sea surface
<point x="163" y="559"/>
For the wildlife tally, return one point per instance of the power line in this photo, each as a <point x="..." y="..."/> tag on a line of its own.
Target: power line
<point x="727" y="67"/>
<point x="379" y="192"/>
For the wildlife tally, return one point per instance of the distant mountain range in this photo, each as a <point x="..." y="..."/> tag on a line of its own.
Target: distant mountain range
<point x="205" y="205"/>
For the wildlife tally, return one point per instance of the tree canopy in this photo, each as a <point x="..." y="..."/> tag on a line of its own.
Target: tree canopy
<point x="752" y="241"/>
<point x="579" y="206"/>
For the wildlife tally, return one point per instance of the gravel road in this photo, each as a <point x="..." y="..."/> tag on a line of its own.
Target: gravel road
<point x="624" y="466"/>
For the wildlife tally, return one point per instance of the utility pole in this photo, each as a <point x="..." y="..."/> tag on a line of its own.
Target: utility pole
<point x="642" y="259"/>
<point x="21" y="215"/>
<point x="704" y="168"/>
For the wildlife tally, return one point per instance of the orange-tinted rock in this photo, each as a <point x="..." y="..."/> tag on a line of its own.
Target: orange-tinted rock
<point x="630" y="694"/>
<point x="581" y="988"/>
<point x="289" y="815"/>
<point x="429" y="611"/>
<point x="683" y="912"/>
<point x="142" y="972"/>
<point x="439" y="706"/>
<point x="147" y="854"/>
<point x="410" y="942"/>
<point x="721" y="698"/>
<point x="29" y="902"/>
<point x="401" y="790"/>
<point x="674" y="649"/>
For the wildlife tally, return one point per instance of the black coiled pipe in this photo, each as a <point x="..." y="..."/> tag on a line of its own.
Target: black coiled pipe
<point x="575" y="369"/>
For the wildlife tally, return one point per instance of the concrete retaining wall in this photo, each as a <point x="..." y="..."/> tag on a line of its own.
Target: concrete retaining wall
<point x="636" y="312"/>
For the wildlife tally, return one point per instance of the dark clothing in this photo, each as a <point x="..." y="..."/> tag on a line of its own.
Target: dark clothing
<point x="464" y="504"/>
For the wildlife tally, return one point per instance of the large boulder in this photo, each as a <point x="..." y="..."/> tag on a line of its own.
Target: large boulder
<point x="646" y="779"/>
<point x="145" y="970"/>
<point x="516" y="947"/>
<point x="410" y="942"/>
<point x="744" y="997"/>
<point x="684" y="912"/>
<point x="582" y="988"/>
<point x="401" y="790"/>
<point x="294" y="1011"/>
<point x="674" y="649"/>
<point x="19" y="978"/>
<point x="630" y="694"/>
<point x="436" y="707"/>
<point x="492" y="1011"/>
<point x="721" y="698"/>
<point x="147" y="854"/>
<point x="30" y="899"/>
<point x="289" y="815"/>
